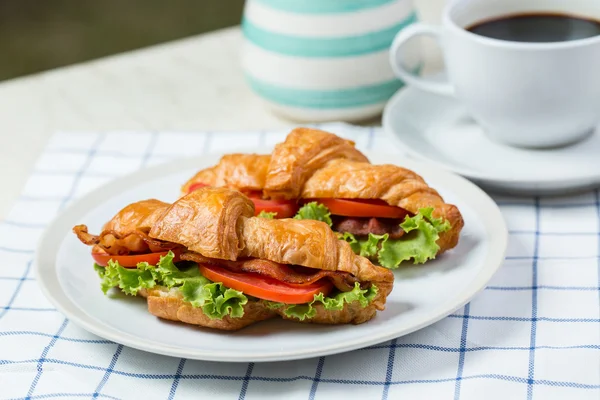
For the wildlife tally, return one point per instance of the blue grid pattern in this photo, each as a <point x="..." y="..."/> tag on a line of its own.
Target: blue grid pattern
<point x="534" y="332"/>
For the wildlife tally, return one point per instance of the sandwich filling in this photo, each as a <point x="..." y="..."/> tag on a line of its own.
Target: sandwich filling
<point x="222" y="288"/>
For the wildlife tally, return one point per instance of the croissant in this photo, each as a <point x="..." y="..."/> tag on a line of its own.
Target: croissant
<point x="313" y="164"/>
<point x="215" y="228"/>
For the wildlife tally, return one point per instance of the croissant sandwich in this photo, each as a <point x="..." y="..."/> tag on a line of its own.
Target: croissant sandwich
<point x="207" y="260"/>
<point x="386" y="213"/>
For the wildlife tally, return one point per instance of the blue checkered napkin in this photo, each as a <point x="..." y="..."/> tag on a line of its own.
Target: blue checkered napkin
<point x="534" y="333"/>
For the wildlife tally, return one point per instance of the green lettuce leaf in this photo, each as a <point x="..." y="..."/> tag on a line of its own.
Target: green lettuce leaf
<point x="167" y="273"/>
<point x="129" y="280"/>
<point x="418" y="243"/>
<point x="108" y="278"/>
<point x="100" y="270"/>
<point x="370" y="247"/>
<point x="272" y="305"/>
<point x="336" y="302"/>
<point x="365" y="247"/>
<point x="216" y="300"/>
<point x="267" y="215"/>
<point x="316" y="211"/>
<point x="301" y="311"/>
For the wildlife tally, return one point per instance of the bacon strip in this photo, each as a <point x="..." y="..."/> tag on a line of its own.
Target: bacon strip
<point x="284" y="273"/>
<point x="114" y="243"/>
<point x="362" y="226"/>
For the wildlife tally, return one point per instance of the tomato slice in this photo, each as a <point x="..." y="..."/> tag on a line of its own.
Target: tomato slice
<point x="264" y="287"/>
<point x="196" y="186"/>
<point x="283" y="208"/>
<point x="362" y="208"/>
<point x="132" y="260"/>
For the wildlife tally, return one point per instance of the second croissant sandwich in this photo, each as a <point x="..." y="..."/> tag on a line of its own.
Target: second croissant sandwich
<point x="207" y="260"/>
<point x="386" y="212"/>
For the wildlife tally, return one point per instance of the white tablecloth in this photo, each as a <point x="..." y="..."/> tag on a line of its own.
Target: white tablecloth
<point x="534" y="333"/>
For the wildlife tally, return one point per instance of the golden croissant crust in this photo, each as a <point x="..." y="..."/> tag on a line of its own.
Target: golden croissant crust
<point x="302" y="153"/>
<point x="312" y="163"/>
<point x="308" y="243"/>
<point x="207" y="221"/>
<point x="245" y="172"/>
<point x="140" y="215"/>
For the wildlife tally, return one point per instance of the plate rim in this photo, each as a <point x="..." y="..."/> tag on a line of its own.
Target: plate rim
<point x="47" y="250"/>
<point x="592" y="178"/>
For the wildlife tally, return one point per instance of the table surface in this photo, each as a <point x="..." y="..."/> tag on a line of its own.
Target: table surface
<point x="190" y="84"/>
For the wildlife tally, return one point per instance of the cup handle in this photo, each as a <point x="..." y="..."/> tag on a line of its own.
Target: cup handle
<point x="396" y="54"/>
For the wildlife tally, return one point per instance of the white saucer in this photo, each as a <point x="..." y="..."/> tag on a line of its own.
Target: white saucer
<point x="438" y="129"/>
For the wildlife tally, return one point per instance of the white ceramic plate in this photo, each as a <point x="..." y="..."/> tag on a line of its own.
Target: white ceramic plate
<point x="437" y="129"/>
<point x="421" y="295"/>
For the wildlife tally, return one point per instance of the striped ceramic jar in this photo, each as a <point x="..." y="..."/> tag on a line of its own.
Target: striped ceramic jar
<point x="323" y="60"/>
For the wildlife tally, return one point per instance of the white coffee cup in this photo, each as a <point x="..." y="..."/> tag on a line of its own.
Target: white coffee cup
<point x="522" y="94"/>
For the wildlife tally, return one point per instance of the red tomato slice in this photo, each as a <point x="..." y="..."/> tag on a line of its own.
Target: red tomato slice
<point x="133" y="260"/>
<point x="283" y="208"/>
<point x="195" y="186"/>
<point x="264" y="287"/>
<point x="362" y="208"/>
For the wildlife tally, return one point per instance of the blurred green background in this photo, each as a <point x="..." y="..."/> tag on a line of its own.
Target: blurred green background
<point x="37" y="35"/>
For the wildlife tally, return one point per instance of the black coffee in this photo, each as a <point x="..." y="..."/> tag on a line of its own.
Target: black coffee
<point x="537" y="28"/>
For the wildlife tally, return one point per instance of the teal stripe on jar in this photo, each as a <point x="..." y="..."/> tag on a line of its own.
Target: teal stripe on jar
<point x="325" y="46"/>
<point x="325" y="99"/>
<point x="323" y="6"/>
